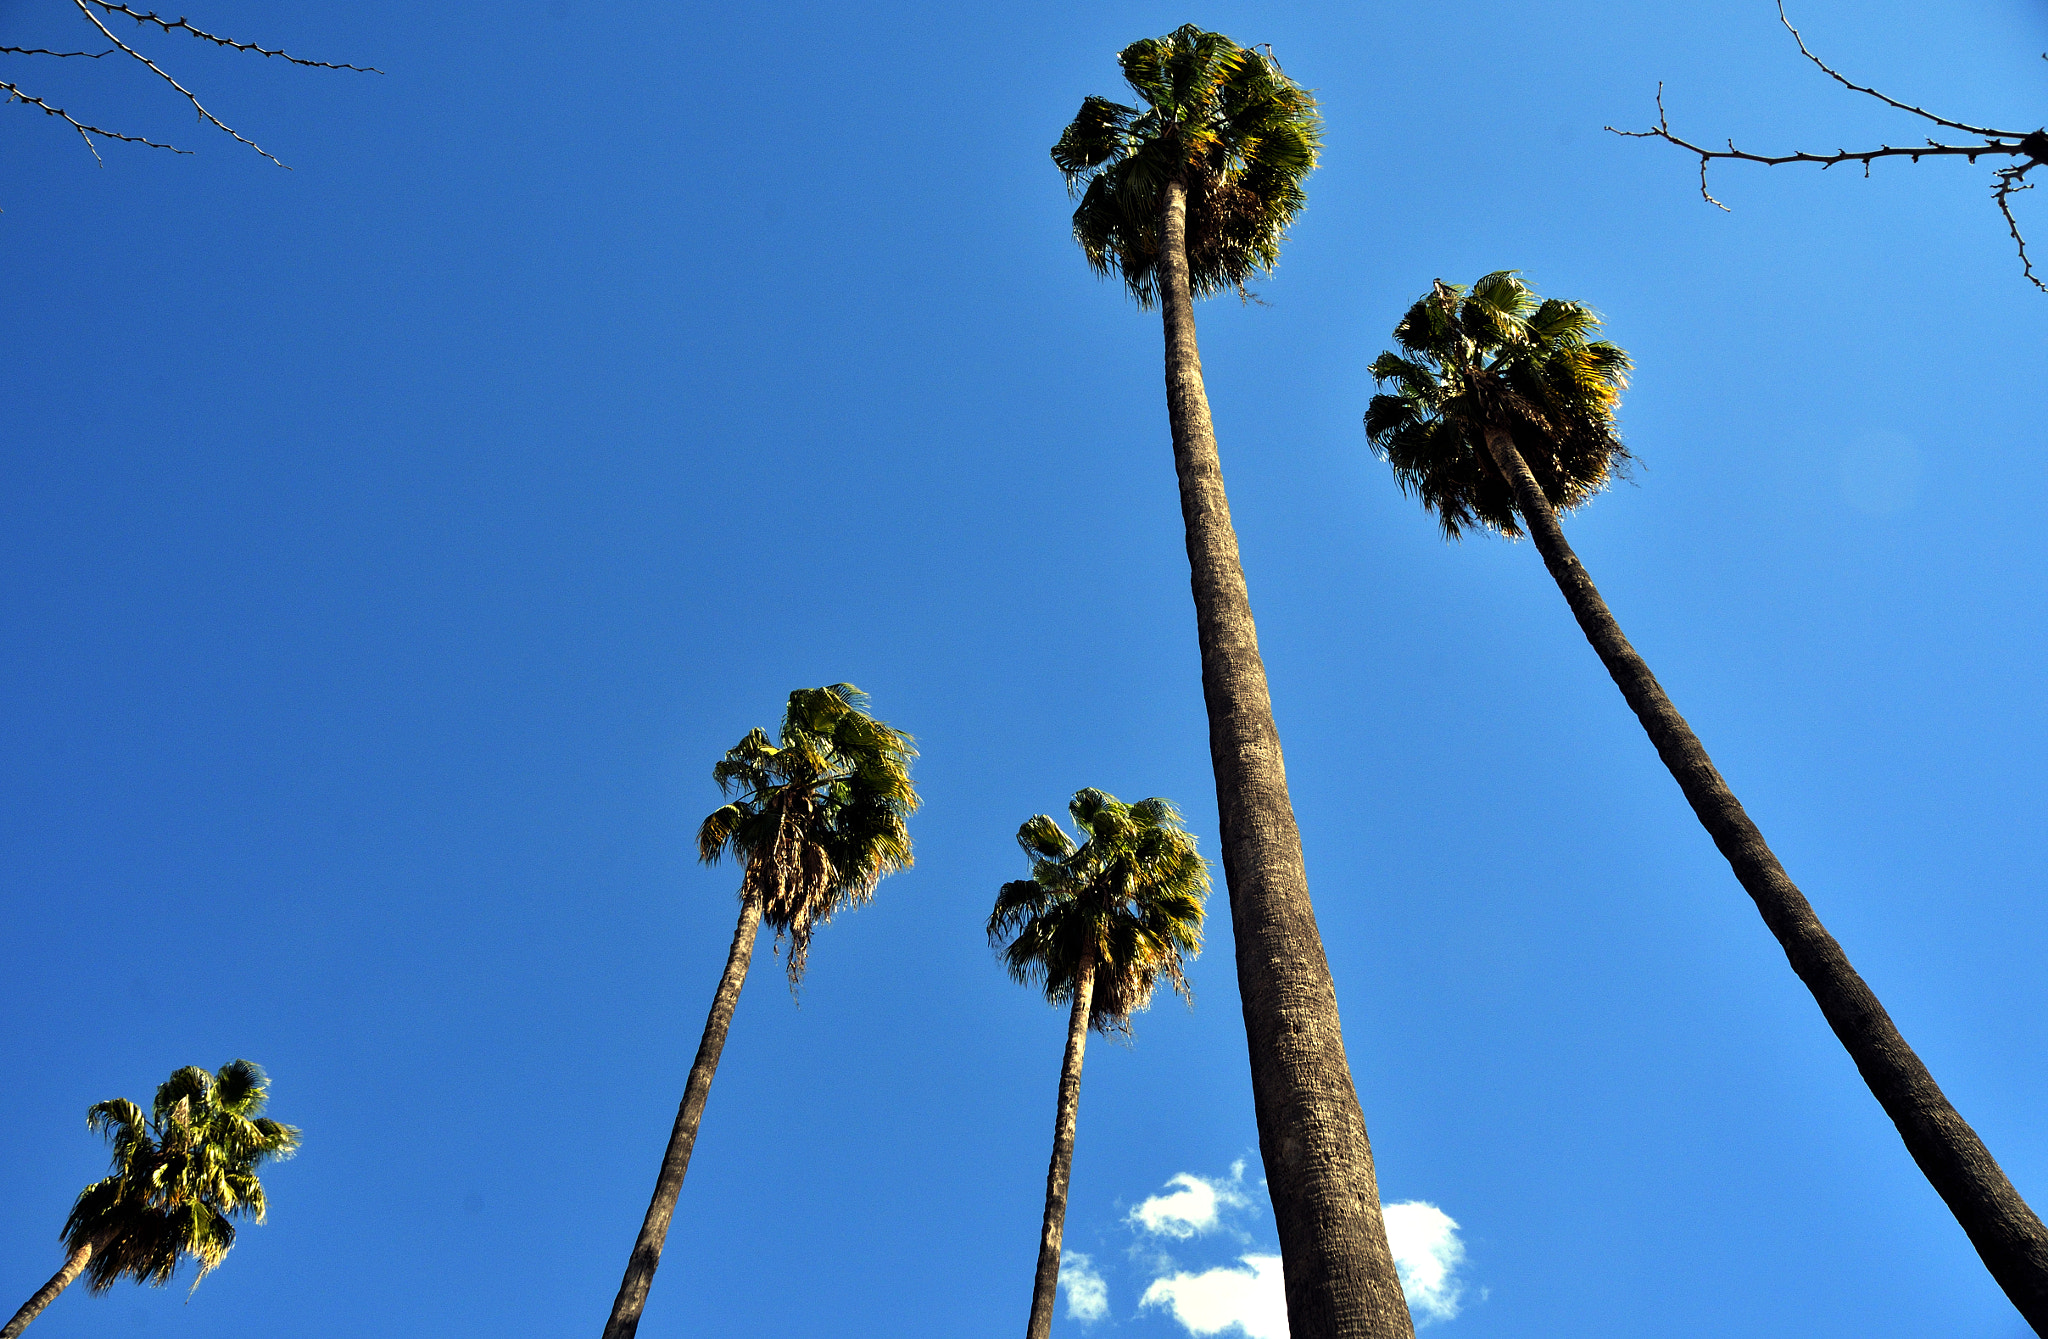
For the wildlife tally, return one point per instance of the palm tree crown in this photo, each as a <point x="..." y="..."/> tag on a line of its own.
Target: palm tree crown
<point x="821" y="816"/>
<point x="1497" y="357"/>
<point x="1224" y="121"/>
<point x="179" y="1176"/>
<point x="1129" y="897"/>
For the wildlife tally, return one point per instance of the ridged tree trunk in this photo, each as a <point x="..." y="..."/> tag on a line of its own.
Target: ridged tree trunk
<point x="2006" y="1233"/>
<point x="47" y="1294"/>
<point x="1046" y="1284"/>
<point x="632" y="1298"/>
<point x="1341" y="1282"/>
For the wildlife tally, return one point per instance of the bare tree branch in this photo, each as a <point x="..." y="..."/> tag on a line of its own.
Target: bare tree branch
<point x="116" y="7"/>
<point x="180" y="25"/>
<point x="2032" y="146"/>
<point x="2002" y="190"/>
<point x="1888" y="101"/>
<point x="84" y="8"/>
<point x="85" y="132"/>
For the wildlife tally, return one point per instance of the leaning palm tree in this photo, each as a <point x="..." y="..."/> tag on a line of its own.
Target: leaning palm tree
<point x="818" y="822"/>
<point x="1096" y="925"/>
<point x="1502" y="406"/>
<point x="1185" y="196"/>
<point x="179" y="1178"/>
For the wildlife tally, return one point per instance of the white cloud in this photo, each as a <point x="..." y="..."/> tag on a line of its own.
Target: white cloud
<point x="1192" y="1205"/>
<point x="1087" y="1291"/>
<point x="1251" y="1300"/>
<point x="1427" y="1253"/>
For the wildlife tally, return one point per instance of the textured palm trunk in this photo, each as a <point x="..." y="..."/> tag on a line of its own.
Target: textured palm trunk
<point x="47" y="1294"/>
<point x="1340" y="1275"/>
<point x="632" y="1298"/>
<point x="2006" y="1233"/>
<point x="1046" y="1284"/>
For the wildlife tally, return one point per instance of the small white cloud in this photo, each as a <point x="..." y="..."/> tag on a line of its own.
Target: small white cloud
<point x="1251" y="1300"/>
<point x="1191" y="1205"/>
<point x="1087" y="1291"/>
<point x="1427" y="1254"/>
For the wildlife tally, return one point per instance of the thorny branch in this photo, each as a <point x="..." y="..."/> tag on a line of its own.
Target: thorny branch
<point x="113" y="7"/>
<point x="2032" y="146"/>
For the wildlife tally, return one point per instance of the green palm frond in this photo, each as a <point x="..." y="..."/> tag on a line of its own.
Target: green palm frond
<point x="821" y="814"/>
<point x="1222" y="120"/>
<point x="1130" y="895"/>
<point x="239" y="1087"/>
<point x="1043" y="839"/>
<point x="1497" y="355"/>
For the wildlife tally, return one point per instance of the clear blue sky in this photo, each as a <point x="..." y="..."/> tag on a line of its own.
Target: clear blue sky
<point x="391" y="545"/>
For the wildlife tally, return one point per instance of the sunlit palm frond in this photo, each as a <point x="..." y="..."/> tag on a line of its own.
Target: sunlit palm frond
<point x="1099" y="133"/>
<point x="1042" y="838"/>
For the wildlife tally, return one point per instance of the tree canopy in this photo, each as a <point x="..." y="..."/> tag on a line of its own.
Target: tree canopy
<point x="1129" y="895"/>
<point x="821" y="814"/>
<point x="1220" y="119"/>
<point x="1497" y="356"/>
<point x="179" y="1177"/>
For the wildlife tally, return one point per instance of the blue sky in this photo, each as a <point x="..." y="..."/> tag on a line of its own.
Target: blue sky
<point x="391" y="545"/>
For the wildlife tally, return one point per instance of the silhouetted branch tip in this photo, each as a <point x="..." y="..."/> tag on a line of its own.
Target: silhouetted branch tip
<point x="2029" y="145"/>
<point x="180" y="25"/>
<point x="1888" y="101"/>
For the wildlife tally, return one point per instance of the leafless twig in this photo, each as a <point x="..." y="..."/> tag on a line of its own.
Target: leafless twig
<point x="2032" y="146"/>
<point x="85" y="132"/>
<point x="1887" y="101"/>
<point x="180" y="25"/>
<point x="2007" y="182"/>
<point x="38" y="51"/>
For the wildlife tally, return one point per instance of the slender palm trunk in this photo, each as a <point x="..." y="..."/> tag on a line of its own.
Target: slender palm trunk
<point x="47" y="1294"/>
<point x="625" y="1317"/>
<point x="2004" y="1230"/>
<point x="1341" y="1282"/>
<point x="1046" y="1283"/>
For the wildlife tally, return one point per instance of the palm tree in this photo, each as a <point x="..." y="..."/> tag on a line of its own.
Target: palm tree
<point x="1184" y="196"/>
<point x="819" y="822"/>
<point x="178" y="1180"/>
<point x="1096" y="925"/>
<point x="1503" y="406"/>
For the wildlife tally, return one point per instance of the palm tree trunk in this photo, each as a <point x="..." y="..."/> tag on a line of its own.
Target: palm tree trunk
<point x="1046" y="1283"/>
<point x="2006" y="1233"/>
<point x="640" y="1267"/>
<point x="1341" y="1282"/>
<point x="47" y="1294"/>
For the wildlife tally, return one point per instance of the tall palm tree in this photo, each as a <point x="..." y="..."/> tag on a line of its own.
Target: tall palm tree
<point x="179" y="1179"/>
<point x="1186" y="195"/>
<point x="1502" y="406"/>
<point x="1096" y="925"/>
<point x="818" y="822"/>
